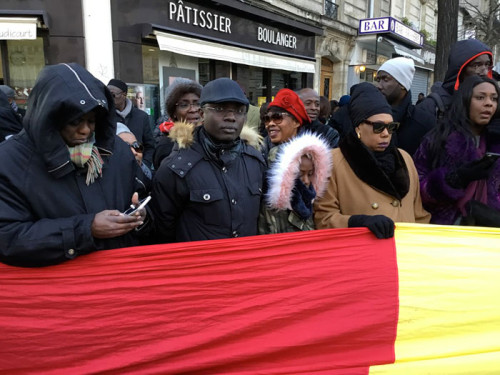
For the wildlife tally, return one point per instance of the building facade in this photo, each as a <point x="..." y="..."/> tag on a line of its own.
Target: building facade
<point x="265" y="45"/>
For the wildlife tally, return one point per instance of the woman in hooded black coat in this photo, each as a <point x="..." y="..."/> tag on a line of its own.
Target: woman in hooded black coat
<point x="52" y="206"/>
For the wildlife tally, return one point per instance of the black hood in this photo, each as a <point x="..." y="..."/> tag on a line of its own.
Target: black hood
<point x="462" y="53"/>
<point x="63" y="93"/>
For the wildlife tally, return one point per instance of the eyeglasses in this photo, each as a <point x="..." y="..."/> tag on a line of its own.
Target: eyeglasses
<point x="138" y="147"/>
<point x="240" y="112"/>
<point x="117" y="95"/>
<point x="276" y="117"/>
<point x="378" y="126"/>
<point x="184" y="105"/>
<point x="478" y="66"/>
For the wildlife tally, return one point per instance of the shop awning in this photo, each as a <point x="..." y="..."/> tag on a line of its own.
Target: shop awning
<point x="16" y="28"/>
<point x="209" y="50"/>
<point x="405" y="51"/>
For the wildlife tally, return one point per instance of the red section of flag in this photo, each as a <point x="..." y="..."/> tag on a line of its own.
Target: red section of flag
<point x="322" y="302"/>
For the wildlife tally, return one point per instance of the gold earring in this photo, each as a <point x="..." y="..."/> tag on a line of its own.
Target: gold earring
<point x="359" y="135"/>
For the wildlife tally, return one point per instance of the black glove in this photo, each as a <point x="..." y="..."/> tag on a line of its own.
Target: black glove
<point x="380" y="225"/>
<point x="472" y="171"/>
<point x="479" y="214"/>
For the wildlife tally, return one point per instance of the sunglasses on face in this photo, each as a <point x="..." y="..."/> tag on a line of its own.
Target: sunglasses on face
<point x="276" y="117"/>
<point x="138" y="147"/>
<point x="378" y="126"/>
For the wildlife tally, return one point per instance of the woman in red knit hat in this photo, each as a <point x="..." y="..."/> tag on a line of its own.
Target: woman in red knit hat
<point x="299" y="164"/>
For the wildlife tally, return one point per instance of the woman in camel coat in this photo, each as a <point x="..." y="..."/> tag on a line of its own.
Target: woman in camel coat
<point x="373" y="184"/>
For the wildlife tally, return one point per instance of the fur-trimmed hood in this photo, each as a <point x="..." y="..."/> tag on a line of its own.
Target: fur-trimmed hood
<point x="285" y="170"/>
<point x="183" y="134"/>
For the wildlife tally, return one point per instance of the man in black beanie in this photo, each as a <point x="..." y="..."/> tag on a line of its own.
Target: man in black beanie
<point x="135" y="119"/>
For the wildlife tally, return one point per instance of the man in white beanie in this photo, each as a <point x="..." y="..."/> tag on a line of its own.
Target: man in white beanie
<point x="394" y="79"/>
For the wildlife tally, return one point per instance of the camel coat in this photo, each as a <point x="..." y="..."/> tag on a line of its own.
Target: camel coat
<point x="348" y="195"/>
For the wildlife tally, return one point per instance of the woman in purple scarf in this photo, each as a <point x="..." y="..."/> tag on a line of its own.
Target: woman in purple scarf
<point x="457" y="173"/>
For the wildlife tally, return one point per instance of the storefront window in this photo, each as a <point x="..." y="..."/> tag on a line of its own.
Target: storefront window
<point x="251" y="79"/>
<point x="23" y="60"/>
<point x="368" y="75"/>
<point x="204" y="71"/>
<point x="150" y="66"/>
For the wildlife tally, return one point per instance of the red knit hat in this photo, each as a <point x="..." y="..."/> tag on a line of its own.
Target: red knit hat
<point x="289" y="101"/>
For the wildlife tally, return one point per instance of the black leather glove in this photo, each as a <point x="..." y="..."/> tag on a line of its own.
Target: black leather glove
<point x="479" y="214"/>
<point x="380" y="225"/>
<point x="472" y="171"/>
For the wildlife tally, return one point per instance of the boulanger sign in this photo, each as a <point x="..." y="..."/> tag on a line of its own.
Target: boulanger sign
<point x="212" y="24"/>
<point x="393" y="28"/>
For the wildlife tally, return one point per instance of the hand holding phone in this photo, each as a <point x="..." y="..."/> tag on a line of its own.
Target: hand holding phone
<point x="133" y="209"/>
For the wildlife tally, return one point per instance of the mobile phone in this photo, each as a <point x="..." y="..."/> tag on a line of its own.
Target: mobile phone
<point x="133" y="209"/>
<point x="494" y="155"/>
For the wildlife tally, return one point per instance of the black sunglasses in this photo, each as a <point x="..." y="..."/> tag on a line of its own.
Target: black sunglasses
<point x="138" y="147"/>
<point x="378" y="126"/>
<point x="276" y="117"/>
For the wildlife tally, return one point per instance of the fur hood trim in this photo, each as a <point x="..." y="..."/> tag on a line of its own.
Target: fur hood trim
<point x="183" y="134"/>
<point x="285" y="170"/>
<point x="251" y="137"/>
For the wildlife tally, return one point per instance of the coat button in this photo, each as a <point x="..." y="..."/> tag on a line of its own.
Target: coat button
<point x="395" y="203"/>
<point x="82" y="102"/>
<point x="233" y="201"/>
<point x="375" y="205"/>
<point x="206" y="197"/>
<point x="235" y="234"/>
<point x="224" y="169"/>
<point x="71" y="252"/>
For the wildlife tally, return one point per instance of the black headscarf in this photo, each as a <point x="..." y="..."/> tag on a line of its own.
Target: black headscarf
<point x="366" y="101"/>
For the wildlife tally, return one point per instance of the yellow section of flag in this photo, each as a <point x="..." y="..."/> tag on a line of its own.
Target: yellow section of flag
<point x="449" y="301"/>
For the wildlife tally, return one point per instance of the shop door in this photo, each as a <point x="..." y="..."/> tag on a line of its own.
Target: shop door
<point x="326" y="78"/>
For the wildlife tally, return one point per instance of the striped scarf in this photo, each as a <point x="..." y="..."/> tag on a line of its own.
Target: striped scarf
<point x="87" y="155"/>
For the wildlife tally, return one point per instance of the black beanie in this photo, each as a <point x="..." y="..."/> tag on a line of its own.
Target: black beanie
<point x="366" y="101"/>
<point x="117" y="83"/>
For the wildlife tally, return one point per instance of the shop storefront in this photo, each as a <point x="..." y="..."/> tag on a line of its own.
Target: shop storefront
<point x="22" y="53"/>
<point x="204" y="40"/>
<point x="34" y="34"/>
<point x="381" y="39"/>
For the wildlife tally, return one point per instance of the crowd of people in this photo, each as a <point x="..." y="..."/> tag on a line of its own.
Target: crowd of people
<point x="217" y="167"/>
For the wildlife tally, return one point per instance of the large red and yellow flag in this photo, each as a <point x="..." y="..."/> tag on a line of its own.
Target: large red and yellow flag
<point x="322" y="302"/>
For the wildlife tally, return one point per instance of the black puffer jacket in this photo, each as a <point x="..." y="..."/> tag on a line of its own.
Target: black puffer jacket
<point x="46" y="208"/>
<point x="201" y="196"/>
<point x="425" y="115"/>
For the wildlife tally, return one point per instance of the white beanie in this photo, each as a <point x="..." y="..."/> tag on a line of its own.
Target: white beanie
<point x="122" y="128"/>
<point x="402" y="69"/>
